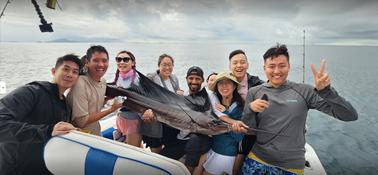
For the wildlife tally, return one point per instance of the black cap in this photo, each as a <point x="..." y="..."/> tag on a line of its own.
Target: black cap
<point x="195" y="70"/>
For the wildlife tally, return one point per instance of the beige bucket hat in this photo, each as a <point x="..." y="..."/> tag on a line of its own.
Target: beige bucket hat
<point x="224" y="76"/>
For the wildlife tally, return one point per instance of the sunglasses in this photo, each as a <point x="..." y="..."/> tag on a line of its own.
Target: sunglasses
<point x="124" y="59"/>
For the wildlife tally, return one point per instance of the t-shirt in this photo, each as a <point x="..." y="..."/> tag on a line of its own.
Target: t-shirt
<point x="126" y="83"/>
<point x="169" y="85"/>
<point x="87" y="97"/>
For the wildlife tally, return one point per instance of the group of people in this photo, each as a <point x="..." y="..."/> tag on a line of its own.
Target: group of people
<point x="33" y="113"/>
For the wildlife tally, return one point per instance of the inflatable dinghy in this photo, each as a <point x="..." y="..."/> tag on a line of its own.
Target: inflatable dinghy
<point x="85" y="154"/>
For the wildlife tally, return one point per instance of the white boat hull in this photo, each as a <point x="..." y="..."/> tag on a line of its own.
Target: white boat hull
<point x="316" y="167"/>
<point x="80" y="153"/>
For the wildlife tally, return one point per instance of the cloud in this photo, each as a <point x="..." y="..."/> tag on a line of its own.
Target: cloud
<point x="326" y="22"/>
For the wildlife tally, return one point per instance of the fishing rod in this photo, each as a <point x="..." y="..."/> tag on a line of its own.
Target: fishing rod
<point x="251" y="130"/>
<point x="304" y="56"/>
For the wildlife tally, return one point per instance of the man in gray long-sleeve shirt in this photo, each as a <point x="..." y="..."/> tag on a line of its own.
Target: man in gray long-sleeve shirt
<point x="283" y="110"/>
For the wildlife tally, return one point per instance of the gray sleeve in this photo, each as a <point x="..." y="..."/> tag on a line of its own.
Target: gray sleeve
<point x="249" y="117"/>
<point x="329" y="102"/>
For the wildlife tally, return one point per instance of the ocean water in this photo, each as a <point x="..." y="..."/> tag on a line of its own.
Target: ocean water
<point x="343" y="147"/>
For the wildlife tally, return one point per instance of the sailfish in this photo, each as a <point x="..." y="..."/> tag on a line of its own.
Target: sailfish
<point x="186" y="113"/>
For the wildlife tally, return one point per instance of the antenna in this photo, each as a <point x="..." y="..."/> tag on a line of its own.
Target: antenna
<point x="304" y="57"/>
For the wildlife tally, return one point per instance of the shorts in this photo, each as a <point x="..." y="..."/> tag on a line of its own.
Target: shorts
<point x="218" y="164"/>
<point x="127" y="126"/>
<point x="246" y="144"/>
<point x="169" y="135"/>
<point x="254" y="167"/>
<point x="174" y="150"/>
<point x="152" y="142"/>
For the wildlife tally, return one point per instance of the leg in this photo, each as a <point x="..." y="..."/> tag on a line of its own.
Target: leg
<point x="237" y="164"/>
<point x="197" y="145"/>
<point x="133" y="136"/>
<point x="154" y="144"/>
<point x="174" y="150"/>
<point x="134" y="139"/>
<point x="199" y="169"/>
<point x="206" y="173"/>
<point x="190" y="169"/>
<point x="156" y="149"/>
<point x="244" y="148"/>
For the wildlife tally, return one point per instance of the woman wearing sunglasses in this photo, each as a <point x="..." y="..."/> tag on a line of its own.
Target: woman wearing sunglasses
<point x="127" y="122"/>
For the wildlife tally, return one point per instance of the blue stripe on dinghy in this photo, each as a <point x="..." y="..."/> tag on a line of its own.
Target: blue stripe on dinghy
<point x="144" y="163"/>
<point x="99" y="162"/>
<point x="108" y="133"/>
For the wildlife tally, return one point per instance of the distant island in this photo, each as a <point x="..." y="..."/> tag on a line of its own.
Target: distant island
<point x="82" y="40"/>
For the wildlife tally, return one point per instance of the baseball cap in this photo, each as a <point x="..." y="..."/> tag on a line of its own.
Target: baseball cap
<point x="195" y="70"/>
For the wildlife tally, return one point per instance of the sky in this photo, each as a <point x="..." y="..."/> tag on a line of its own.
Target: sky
<point x="336" y="22"/>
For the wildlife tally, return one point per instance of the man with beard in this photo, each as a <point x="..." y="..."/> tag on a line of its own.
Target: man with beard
<point x="184" y="142"/>
<point x="197" y="144"/>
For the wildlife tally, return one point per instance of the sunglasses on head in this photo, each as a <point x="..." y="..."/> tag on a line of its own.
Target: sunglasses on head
<point x="124" y="59"/>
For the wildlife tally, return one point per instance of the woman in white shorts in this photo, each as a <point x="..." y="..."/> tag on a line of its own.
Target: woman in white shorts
<point x="224" y="147"/>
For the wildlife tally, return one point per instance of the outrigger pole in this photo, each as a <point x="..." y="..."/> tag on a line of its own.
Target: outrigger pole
<point x="2" y="11"/>
<point x="304" y="56"/>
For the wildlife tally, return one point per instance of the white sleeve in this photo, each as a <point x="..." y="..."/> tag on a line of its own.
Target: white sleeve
<point x="214" y="100"/>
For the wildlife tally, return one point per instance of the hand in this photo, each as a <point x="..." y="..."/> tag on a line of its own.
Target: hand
<point x="322" y="79"/>
<point x="106" y="100"/>
<point x="116" y="104"/>
<point x="62" y="128"/>
<point x="239" y="126"/>
<point x="258" y="105"/>
<point x="148" y="116"/>
<point x="180" y="92"/>
<point x="220" y="107"/>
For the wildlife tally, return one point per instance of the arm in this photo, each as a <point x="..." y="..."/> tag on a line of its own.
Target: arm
<point x="94" y="117"/>
<point x="214" y="101"/>
<point x="237" y="125"/>
<point x="79" y="101"/>
<point x="16" y="108"/>
<point x="330" y="102"/>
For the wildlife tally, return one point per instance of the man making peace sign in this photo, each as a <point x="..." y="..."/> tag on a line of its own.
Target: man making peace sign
<point x="280" y="106"/>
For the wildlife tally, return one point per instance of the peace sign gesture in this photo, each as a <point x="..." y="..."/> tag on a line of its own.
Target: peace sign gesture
<point x="321" y="78"/>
